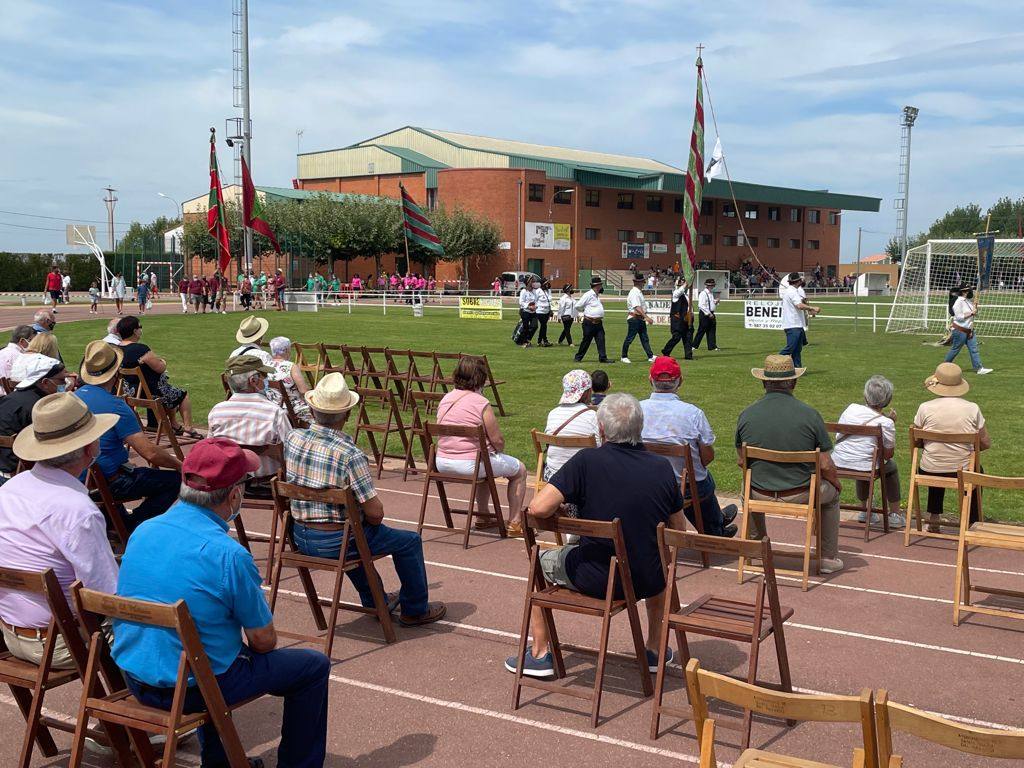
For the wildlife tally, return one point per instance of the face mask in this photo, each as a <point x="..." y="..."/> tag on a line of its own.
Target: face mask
<point x="62" y="387"/>
<point x="236" y="511"/>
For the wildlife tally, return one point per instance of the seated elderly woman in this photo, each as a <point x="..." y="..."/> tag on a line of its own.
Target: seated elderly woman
<point x="286" y="372"/>
<point x="466" y="406"/>
<point x="855" y="451"/>
<point x="572" y="417"/>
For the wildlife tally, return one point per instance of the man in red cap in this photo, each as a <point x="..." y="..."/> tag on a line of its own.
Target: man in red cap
<point x="187" y="554"/>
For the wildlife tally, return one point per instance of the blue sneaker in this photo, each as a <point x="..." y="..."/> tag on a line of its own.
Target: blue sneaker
<point x="652" y="659"/>
<point x="542" y="667"/>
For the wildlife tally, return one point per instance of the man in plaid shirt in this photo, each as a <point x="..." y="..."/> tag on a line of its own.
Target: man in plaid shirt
<point x="323" y="456"/>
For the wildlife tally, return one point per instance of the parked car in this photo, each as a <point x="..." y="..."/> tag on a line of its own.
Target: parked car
<point x="512" y="282"/>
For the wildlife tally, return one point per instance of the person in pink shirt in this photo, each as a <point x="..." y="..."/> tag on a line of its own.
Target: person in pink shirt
<point x="394" y="281"/>
<point x="357" y="283"/>
<point x="496" y="287"/>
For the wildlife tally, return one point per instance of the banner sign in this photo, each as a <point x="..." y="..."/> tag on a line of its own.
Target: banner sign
<point x="480" y="307"/>
<point x="544" y="235"/>
<point x="636" y="250"/>
<point x="986" y="243"/>
<point x="658" y="310"/>
<point x="762" y="315"/>
<point x="563" y="237"/>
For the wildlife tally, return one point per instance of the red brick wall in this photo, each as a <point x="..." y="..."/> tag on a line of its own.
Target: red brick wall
<point x="381" y="185"/>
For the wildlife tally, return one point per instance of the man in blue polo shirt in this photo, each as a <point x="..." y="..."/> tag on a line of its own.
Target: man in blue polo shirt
<point x="619" y="479"/>
<point x="187" y="554"/>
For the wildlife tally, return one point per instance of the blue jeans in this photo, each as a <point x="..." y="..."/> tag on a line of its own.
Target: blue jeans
<point x="710" y="510"/>
<point x="960" y="340"/>
<point x="795" y="340"/>
<point x="158" y="489"/>
<point x="636" y="326"/>
<point x="298" y="675"/>
<point x="405" y="548"/>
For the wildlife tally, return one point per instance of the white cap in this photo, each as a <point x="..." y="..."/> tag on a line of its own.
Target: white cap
<point x="30" y="367"/>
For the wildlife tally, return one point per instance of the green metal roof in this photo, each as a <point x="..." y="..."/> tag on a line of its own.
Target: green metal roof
<point x="413" y="157"/>
<point x="287" y="193"/>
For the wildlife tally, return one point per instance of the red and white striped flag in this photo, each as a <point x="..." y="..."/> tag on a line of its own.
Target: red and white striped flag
<point x="694" y="192"/>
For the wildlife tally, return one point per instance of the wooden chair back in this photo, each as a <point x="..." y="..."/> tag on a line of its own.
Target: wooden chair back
<point x="286" y="402"/>
<point x="422" y="371"/>
<point x="687" y="481"/>
<point x="347" y="366"/>
<point x="381" y="400"/>
<point x="968" y="739"/>
<point x="7" y="441"/>
<point x="308" y="358"/>
<point x="445" y="380"/>
<point x="134" y="377"/>
<point x="6" y="385"/>
<point x="420" y="403"/>
<point x="493" y="384"/>
<point x="876" y="471"/>
<point x="164" y="428"/>
<point x="823" y="708"/>
<point x="375" y="366"/>
<point x="112" y="510"/>
<point x="543" y="440"/>
<point x="918" y="439"/>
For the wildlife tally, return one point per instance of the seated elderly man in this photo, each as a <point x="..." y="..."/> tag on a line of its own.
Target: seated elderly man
<point x="780" y="422"/>
<point x="48" y="521"/>
<point x="38" y="376"/>
<point x="856" y="451"/>
<point x="20" y="337"/>
<point x="250" y="333"/>
<point x="157" y="484"/>
<point x="323" y="456"/>
<point x="249" y="417"/>
<point x="948" y="412"/>
<point x="187" y="554"/>
<point x="44" y="321"/>
<point x="619" y="479"/>
<point x="112" y="336"/>
<point x="669" y="419"/>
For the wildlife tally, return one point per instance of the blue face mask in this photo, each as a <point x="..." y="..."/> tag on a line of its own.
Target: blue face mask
<point x="62" y="387"/>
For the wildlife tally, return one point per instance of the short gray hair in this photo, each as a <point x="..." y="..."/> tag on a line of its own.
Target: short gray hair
<point x="112" y="325"/>
<point x="280" y="346"/>
<point x="22" y="333"/>
<point x="663" y="385"/>
<point x="239" y="382"/>
<point x="878" y="391"/>
<point x="42" y="314"/>
<point x="207" y="499"/>
<point x="327" y="419"/>
<point x="621" y="418"/>
<point x="65" y="459"/>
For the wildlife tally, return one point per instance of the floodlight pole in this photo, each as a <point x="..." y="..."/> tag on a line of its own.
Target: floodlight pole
<point x="111" y="201"/>
<point x="246" y="124"/>
<point x="907" y="123"/>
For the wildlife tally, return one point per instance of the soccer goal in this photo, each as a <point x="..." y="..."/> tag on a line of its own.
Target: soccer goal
<point x="931" y="270"/>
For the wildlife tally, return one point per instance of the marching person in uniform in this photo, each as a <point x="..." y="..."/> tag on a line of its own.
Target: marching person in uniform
<point x="707" y="324"/>
<point x="964" y="311"/>
<point x="681" y="318"/>
<point x="543" y="295"/>
<point x="794" y="317"/>
<point x="637" y="320"/>
<point x="593" y="321"/>
<point x="528" y="312"/>
<point x="567" y="313"/>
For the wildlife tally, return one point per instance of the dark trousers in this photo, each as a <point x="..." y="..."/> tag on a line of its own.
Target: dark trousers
<point x="542" y="333"/>
<point x="158" y="489"/>
<point x="710" y="509"/>
<point x="636" y="326"/>
<point x="937" y="495"/>
<point x="682" y="333"/>
<point x="593" y="330"/>
<point x="529" y="324"/>
<point x="706" y="325"/>
<point x="795" y="341"/>
<point x="566" y="331"/>
<point x="298" y="675"/>
<point x="246" y="300"/>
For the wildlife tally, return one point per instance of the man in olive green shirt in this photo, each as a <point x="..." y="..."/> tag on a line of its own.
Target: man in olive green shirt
<point x="781" y="422"/>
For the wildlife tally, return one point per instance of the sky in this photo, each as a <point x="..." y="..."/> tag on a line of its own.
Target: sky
<point x="806" y="93"/>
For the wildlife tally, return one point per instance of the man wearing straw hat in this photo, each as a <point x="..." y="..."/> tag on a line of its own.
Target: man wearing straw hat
<point x="250" y="333"/>
<point x="324" y="456"/>
<point x="48" y="521"/>
<point x="781" y="422"/>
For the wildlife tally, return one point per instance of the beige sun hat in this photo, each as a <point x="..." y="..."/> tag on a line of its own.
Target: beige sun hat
<point x="252" y="329"/>
<point x="61" y="423"/>
<point x="101" y="363"/>
<point x="332" y="395"/>
<point x="777" y="368"/>
<point x="947" y="381"/>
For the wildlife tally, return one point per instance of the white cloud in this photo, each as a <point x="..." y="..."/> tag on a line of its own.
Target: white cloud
<point x="332" y="35"/>
<point x="33" y="118"/>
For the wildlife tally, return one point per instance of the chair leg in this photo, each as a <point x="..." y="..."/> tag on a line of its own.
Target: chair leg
<point x="913" y="511"/>
<point x="469" y="515"/>
<point x="808" y="535"/>
<point x="517" y="688"/>
<point x="272" y="544"/>
<point x="423" y="500"/>
<point x="312" y="597"/>
<point x="602" y="657"/>
<point x="446" y="508"/>
<point x="755" y="650"/>
<point x="958" y="581"/>
<point x="31" y="706"/>
<point x="243" y="538"/>
<point x="380" y="602"/>
<point x="556" y="647"/>
<point x="967" y="576"/>
<point x="743" y="534"/>
<point x="659" y="680"/>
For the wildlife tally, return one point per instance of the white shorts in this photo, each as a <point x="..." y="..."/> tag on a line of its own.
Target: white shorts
<point x="502" y="465"/>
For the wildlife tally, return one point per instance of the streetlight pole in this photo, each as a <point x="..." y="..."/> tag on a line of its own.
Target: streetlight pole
<point x="856" y="284"/>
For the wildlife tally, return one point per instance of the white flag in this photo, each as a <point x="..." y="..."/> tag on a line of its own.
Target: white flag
<point x="715" y="167"/>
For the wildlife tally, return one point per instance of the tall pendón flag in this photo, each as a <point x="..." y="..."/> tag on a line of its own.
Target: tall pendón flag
<point x="216" y="220"/>
<point x="252" y="208"/>
<point x="417" y="226"/>
<point x="694" y="181"/>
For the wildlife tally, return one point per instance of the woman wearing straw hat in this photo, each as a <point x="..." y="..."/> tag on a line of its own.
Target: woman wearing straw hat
<point x="250" y="333"/>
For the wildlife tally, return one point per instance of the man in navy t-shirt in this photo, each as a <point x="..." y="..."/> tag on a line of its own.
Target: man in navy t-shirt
<point x="618" y="480"/>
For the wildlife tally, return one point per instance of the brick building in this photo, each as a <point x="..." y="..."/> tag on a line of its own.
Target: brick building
<point x="566" y="211"/>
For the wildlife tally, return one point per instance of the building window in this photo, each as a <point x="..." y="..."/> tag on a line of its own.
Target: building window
<point x="833" y="217"/>
<point x="563" y="195"/>
<point x="773" y="242"/>
<point x="593" y="198"/>
<point x="592" y="234"/>
<point x="654" y="203"/>
<point x="677" y="205"/>
<point x="729" y="240"/>
<point x="624" y="235"/>
<point x="536" y="193"/>
<point x="431" y="198"/>
<point x="678" y="237"/>
<point x="794" y="243"/>
<point x="813" y="245"/>
<point x="625" y="201"/>
<point x="728" y="210"/>
<point x="750" y="212"/>
<point x="703" y="239"/>
<point x="752" y="241"/>
<point x="814" y="216"/>
<point x="774" y="213"/>
<point x="707" y="208"/>
<point x="652" y="237"/>
<point x="794" y="215"/>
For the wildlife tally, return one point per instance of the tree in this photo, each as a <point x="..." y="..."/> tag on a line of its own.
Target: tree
<point x="1007" y="217"/>
<point x="962" y="221"/>
<point x="147" y="237"/>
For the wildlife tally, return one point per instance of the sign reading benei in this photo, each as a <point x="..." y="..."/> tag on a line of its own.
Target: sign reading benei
<point x="762" y="315"/>
<point x="636" y="250"/>
<point x="547" y="236"/>
<point x="480" y="307"/>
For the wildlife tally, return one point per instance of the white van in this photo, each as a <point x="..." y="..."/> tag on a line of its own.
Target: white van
<point x="513" y="282"/>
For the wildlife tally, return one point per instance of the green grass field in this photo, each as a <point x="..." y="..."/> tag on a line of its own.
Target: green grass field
<point x="839" y="361"/>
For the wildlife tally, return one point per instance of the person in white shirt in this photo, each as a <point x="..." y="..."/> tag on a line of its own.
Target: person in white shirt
<point x="794" y="317"/>
<point x="567" y="313"/>
<point x="637" y="320"/>
<point x="528" y="312"/>
<point x="964" y="311"/>
<point x="708" y="323"/>
<point x="593" y="321"/>
<point x="855" y="451"/>
<point x="680" y="319"/>
<point x="20" y="337"/>
<point x="572" y="417"/>
<point x="543" y="312"/>
<point x="66" y="287"/>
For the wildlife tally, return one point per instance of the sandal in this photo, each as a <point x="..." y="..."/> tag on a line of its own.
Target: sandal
<point x="192" y="433"/>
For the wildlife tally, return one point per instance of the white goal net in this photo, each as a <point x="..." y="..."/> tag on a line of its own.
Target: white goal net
<point x="930" y="271"/>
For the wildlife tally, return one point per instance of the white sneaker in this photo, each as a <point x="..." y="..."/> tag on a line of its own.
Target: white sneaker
<point x="831" y="565"/>
<point x="896" y="520"/>
<point x="651" y="359"/>
<point x="625" y="360"/>
<point x="983" y="371"/>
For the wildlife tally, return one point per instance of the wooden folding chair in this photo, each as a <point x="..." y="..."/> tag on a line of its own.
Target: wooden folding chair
<point x="712" y="616"/>
<point x="224" y="386"/>
<point x="7" y="441"/>
<point x="347" y="366"/>
<point x="444" y="380"/>
<point x="381" y="400"/>
<point x="311" y="370"/>
<point x="541" y="442"/>
<point x="823" y="708"/>
<point x="876" y="472"/>
<point x="550" y="597"/>
<point x="398" y="372"/>
<point x="163" y="422"/>
<point x="261" y="501"/>
<point x="809" y="512"/>
<point x="482" y="474"/>
<point x="6" y="385"/>
<point x="290" y="557"/>
<point x="414" y="375"/>
<point x="113" y="511"/>
<point x="983" y="534"/>
<point x="120" y="708"/>
<point x="286" y="402"/>
<point x="968" y="739"/>
<point x="493" y="384"/>
<point x="918" y="480"/>
<point x="30" y="683"/>
<point x="688" y="484"/>
<point x="375" y="367"/>
<point x="418" y="427"/>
